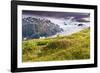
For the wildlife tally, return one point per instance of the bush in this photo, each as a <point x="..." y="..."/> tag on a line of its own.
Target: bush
<point x="42" y="43"/>
<point x="59" y="44"/>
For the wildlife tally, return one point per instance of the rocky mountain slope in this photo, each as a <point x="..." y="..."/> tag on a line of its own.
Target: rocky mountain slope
<point x="36" y="28"/>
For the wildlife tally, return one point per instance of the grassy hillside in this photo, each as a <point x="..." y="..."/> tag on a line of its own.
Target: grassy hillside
<point x="73" y="47"/>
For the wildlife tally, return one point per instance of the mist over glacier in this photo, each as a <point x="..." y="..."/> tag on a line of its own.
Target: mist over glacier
<point x="69" y="26"/>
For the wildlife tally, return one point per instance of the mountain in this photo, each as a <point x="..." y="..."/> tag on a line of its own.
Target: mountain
<point x="36" y="28"/>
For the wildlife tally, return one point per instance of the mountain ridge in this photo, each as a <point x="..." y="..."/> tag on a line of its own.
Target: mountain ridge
<point x="36" y="28"/>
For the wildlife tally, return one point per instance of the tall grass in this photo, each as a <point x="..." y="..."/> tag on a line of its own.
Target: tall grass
<point x="73" y="47"/>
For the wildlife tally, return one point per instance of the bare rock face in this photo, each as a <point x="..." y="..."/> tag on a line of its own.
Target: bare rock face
<point x="80" y="24"/>
<point x="36" y="27"/>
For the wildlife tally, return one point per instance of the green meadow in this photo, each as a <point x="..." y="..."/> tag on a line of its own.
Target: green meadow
<point x="72" y="47"/>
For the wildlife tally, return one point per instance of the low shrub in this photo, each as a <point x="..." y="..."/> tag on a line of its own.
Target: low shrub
<point x="60" y="44"/>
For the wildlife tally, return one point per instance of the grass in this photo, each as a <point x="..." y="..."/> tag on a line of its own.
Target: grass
<point x="73" y="47"/>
